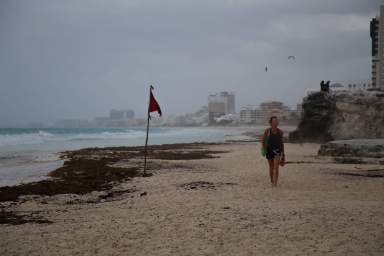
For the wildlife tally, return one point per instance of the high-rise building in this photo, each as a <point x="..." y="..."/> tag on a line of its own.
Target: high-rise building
<point x="220" y="104"/>
<point x="377" y="49"/>
<point x="230" y="98"/>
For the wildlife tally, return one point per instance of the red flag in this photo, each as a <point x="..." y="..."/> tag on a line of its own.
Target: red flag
<point x="153" y="105"/>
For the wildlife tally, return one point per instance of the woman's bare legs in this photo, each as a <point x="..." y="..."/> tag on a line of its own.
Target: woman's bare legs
<point x="270" y="162"/>
<point x="275" y="172"/>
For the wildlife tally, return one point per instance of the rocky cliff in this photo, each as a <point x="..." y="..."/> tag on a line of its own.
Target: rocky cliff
<point x="341" y="115"/>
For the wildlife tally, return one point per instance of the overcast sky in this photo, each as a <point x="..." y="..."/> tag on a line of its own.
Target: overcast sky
<point x="81" y="58"/>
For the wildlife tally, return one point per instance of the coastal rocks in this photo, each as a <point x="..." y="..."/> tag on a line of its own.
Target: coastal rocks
<point x="368" y="174"/>
<point x="318" y="109"/>
<point x="371" y="148"/>
<point x="358" y="115"/>
<point x="341" y="115"/>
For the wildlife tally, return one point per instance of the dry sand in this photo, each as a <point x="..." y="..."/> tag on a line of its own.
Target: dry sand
<point x="230" y="210"/>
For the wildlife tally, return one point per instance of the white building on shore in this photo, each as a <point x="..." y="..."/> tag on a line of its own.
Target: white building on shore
<point x="252" y="114"/>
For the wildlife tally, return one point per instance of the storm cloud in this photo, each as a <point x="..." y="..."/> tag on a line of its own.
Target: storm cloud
<point x="81" y="58"/>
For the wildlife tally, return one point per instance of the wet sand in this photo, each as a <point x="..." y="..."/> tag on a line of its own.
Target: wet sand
<point x="201" y="199"/>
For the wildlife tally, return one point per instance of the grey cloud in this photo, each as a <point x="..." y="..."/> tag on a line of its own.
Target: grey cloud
<point x="81" y="58"/>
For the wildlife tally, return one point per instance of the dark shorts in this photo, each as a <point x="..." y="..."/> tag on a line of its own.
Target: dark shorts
<point x="272" y="152"/>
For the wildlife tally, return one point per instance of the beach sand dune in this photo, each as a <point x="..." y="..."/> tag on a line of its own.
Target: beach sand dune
<point x="218" y="206"/>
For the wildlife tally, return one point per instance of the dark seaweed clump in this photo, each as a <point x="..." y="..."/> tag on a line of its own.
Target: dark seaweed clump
<point x="92" y="169"/>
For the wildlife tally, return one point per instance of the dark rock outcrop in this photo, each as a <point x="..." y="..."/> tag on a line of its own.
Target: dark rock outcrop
<point x="354" y="148"/>
<point x="341" y="115"/>
<point x="318" y="109"/>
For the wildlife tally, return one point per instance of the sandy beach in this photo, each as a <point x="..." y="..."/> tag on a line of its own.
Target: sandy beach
<point x="219" y="202"/>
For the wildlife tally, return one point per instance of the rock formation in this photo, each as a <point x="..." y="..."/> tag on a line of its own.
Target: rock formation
<point x="341" y="115"/>
<point x="354" y="148"/>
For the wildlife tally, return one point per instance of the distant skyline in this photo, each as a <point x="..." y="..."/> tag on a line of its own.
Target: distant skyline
<point x="78" y="59"/>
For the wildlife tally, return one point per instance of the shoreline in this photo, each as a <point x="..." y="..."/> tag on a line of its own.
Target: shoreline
<point x="108" y="161"/>
<point x="27" y="163"/>
<point x="14" y="159"/>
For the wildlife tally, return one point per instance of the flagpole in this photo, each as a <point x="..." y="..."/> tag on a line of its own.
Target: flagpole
<point x="146" y="140"/>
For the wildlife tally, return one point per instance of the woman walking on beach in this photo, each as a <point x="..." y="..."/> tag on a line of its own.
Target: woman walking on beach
<point x="274" y="148"/>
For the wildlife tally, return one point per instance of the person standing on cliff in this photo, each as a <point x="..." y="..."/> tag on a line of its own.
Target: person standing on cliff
<point x="274" y="146"/>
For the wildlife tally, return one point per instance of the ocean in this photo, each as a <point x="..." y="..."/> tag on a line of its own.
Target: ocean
<point x="27" y="155"/>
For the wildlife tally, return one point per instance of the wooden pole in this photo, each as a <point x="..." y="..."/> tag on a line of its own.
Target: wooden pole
<point x="146" y="140"/>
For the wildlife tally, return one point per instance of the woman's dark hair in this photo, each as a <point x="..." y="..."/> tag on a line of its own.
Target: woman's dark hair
<point x="271" y="118"/>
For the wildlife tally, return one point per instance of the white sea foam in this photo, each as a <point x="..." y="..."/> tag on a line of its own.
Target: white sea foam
<point x="28" y="155"/>
<point x="41" y="137"/>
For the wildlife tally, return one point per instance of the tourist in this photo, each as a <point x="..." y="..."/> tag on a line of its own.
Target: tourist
<point x="274" y="149"/>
